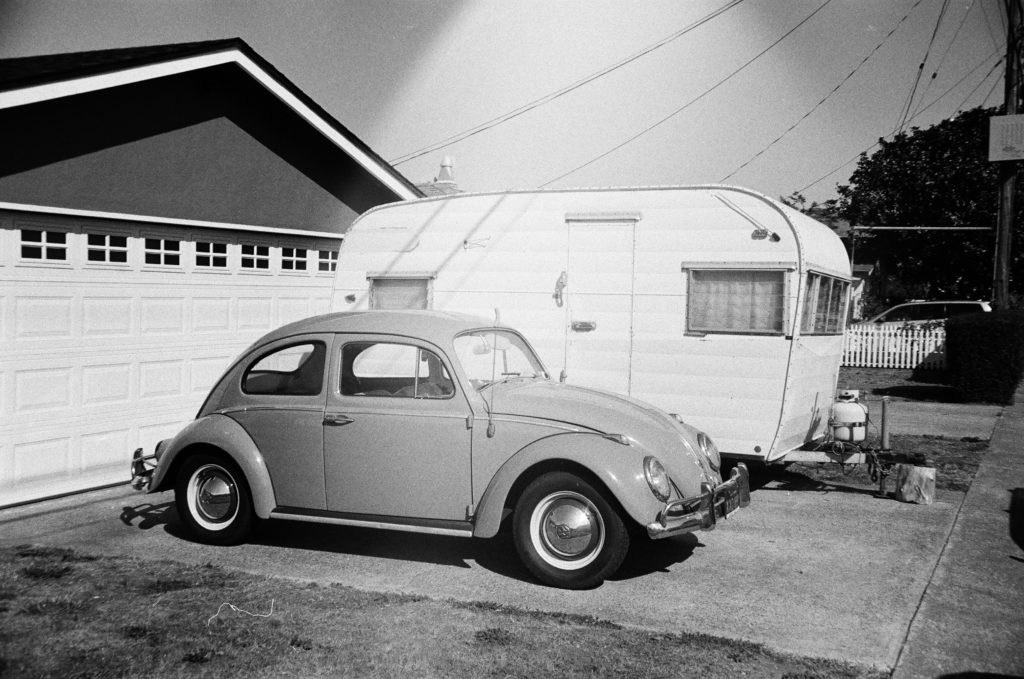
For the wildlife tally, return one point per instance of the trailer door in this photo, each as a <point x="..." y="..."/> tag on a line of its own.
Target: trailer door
<point x="600" y="302"/>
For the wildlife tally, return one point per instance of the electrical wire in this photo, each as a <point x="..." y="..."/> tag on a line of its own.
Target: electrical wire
<point x="505" y="117"/>
<point x="919" y="113"/>
<point x="992" y="89"/>
<point x="988" y="25"/>
<point x="945" y="54"/>
<point x="687" y="104"/>
<point x="827" y="96"/>
<point x="905" y="111"/>
<point x="978" y="86"/>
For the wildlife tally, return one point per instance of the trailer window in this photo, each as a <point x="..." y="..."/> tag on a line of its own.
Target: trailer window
<point x="735" y="301"/>
<point x="825" y="304"/>
<point x="399" y="293"/>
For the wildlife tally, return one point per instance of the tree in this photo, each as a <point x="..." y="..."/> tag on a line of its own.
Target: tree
<point x="939" y="177"/>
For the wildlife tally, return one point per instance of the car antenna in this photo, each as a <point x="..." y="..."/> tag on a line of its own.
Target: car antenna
<point x="494" y="370"/>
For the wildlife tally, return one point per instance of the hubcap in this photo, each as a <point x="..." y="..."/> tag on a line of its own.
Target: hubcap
<point x="213" y="494"/>
<point x="567" y="530"/>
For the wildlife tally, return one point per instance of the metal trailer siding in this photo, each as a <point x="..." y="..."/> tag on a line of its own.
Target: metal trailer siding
<point x="757" y="395"/>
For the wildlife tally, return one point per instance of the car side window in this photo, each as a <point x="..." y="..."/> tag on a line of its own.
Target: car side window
<point x="295" y="370"/>
<point x="932" y="312"/>
<point x="898" y="314"/>
<point x="393" y="370"/>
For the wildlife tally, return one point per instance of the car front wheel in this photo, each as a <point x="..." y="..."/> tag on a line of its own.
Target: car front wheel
<point x="213" y="500"/>
<point x="567" y="533"/>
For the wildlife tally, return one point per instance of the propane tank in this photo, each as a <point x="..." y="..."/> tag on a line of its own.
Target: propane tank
<point x="849" y="417"/>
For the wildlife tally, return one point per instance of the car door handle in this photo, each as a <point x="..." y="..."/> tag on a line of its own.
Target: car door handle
<point x="337" y="420"/>
<point x="584" y="326"/>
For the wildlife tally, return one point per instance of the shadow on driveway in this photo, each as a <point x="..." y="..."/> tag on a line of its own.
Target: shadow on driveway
<point x="497" y="554"/>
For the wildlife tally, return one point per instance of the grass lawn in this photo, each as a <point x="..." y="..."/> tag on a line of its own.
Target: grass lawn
<point x="66" y="614"/>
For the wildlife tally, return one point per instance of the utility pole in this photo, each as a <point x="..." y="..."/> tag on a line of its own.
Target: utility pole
<point x="1007" y="169"/>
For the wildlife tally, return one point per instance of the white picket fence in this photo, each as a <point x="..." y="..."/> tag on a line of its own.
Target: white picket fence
<point x="907" y="347"/>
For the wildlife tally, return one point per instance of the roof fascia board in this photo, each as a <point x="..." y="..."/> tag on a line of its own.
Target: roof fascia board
<point x="54" y="90"/>
<point x="38" y="93"/>
<point x="173" y="221"/>
<point x="324" y="127"/>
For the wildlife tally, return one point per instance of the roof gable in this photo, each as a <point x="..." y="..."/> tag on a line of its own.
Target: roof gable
<point x="62" y="112"/>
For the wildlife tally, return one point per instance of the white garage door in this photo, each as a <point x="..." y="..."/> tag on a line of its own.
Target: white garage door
<point x="111" y="333"/>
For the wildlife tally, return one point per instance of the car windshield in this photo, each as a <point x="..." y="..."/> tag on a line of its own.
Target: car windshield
<point x="492" y="355"/>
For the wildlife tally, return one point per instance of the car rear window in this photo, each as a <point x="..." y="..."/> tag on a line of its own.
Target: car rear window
<point x="295" y="370"/>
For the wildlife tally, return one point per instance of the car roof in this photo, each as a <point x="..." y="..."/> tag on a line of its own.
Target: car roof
<point x="437" y="327"/>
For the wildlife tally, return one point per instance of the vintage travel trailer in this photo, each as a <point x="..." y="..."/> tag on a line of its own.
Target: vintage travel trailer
<point x="713" y="302"/>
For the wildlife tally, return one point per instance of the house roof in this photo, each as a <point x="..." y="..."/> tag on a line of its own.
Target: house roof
<point x="228" y="73"/>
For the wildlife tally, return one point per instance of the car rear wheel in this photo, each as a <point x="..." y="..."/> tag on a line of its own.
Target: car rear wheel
<point x="213" y="500"/>
<point x="567" y="533"/>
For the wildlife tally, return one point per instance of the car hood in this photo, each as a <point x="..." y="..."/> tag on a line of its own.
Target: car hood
<point x="601" y="411"/>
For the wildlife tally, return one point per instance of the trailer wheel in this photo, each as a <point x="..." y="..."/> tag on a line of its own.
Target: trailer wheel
<point x="567" y="533"/>
<point x="213" y="500"/>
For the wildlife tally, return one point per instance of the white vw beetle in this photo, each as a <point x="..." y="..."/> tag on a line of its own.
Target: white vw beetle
<point x="437" y="423"/>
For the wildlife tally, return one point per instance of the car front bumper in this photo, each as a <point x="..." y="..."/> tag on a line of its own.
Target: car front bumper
<point x="704" y="511"/>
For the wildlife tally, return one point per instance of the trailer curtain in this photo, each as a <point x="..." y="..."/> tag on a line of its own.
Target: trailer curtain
<point x="738" y="301"/>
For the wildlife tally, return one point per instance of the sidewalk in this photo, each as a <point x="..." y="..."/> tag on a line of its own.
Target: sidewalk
<point x="971" y="617"/>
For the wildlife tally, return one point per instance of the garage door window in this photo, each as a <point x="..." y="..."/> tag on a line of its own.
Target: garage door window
<point x="211" y="255"/>
<point x="44" y="245"/>
<point x="735" y="301"/>
<point x="107" y="249"/>
<point x="328" y="261"/>
<point x="163" y="252"/>
<point x="293" y="259"/>
<point x="256" y="257"/>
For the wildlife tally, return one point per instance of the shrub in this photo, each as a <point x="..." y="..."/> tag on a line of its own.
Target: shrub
<point x="985" y="355"/>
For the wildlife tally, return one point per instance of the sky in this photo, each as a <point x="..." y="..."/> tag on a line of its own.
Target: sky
<point x="774" y="95"/>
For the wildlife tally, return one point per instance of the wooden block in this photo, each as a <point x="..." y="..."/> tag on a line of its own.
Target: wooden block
<point x="915" y="484"/>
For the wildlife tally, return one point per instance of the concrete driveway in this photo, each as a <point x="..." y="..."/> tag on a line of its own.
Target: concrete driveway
<point x="809" y="569"/>
<point x="951" y="420"/>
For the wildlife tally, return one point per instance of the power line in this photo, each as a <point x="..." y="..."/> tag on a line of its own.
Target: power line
<point x="988" y="25"/>
<point x="687" y="104"/>
<point x="976" y="87"/>
<point x="918" y="114"/>
<point x="484" y="126"/>
<point x="992" y="89"/>
<point x="905" y="111"/>
<point x="949" y="47"/>
<point x="827" y="96"/>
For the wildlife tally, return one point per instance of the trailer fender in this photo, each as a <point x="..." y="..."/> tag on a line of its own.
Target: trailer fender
<point x="224" y="433"/>
<point x="619" y="467"/>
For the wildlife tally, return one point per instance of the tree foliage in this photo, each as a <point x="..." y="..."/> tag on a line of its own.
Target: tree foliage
<point x="938" y="177"/>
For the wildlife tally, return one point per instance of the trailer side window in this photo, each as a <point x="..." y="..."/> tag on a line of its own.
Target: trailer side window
<point x="399" y="293"/>
<point x="825" y="305"/>
<point x="735" y="301"/>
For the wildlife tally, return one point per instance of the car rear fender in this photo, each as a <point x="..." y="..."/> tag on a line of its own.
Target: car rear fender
<point x="223" y="433"/>
<point x="617" y="466"/>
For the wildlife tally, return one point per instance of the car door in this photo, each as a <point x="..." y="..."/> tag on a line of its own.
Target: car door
<point x="281" y="406"/>
<point x="396" y="435"/>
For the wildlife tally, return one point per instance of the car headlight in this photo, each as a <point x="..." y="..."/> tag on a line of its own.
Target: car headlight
<point x="657" y="479"/>
<point x="710" y="450"/>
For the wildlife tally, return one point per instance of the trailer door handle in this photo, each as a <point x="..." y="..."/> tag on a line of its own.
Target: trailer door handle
<point x="584" y="326"/>
<point x="337" y="420"/>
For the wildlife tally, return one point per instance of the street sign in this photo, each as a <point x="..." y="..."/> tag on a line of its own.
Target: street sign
<point x="1006" y="138"/>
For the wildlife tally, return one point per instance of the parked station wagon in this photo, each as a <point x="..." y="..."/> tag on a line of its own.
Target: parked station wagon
<point x="437" y="423"/>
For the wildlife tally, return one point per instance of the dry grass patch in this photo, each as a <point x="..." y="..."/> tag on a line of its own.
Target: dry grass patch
<point x="117" y="617"/>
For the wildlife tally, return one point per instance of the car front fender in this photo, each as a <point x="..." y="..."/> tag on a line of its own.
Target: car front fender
<point x="619" y="467"/>
<point x="219" y="431"/>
